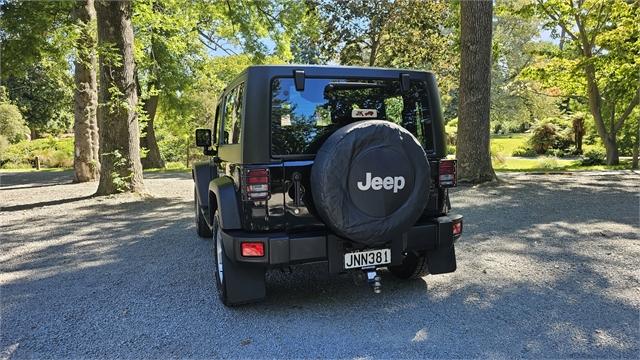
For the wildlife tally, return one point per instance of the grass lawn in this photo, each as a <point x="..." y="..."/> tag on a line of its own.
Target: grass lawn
<point x="545" y="164"/>
<point x="505" y="144"/>
<point x="533" y="164"/>
<point x="171" y="166"/>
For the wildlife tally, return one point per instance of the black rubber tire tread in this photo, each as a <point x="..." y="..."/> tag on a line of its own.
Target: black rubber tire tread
<point x="202" y="228"/>
<point x="221" y="287"/>
<point x="414" y="266"/>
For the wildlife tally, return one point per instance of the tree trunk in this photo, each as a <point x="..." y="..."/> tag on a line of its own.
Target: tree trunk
<point x="120" y="136"/>
<point x="595" y="106"/>
<point x="473" y="154"/>
<point x="149" y="141"/>
<point x="85" y="158"/>
<point x="611" y="147"/>
<point x="578" y="132"/>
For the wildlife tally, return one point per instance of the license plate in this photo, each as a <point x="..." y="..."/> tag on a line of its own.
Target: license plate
<point x="367" y="258"/>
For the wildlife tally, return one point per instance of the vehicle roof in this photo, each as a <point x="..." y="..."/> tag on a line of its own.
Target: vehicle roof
<point x="333" y="70"/>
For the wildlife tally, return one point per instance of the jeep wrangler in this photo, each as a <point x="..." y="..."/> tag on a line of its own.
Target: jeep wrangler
<point x="341" y="165"/>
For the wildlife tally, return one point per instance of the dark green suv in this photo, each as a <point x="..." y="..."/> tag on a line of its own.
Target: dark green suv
<point x="341" y="165"/>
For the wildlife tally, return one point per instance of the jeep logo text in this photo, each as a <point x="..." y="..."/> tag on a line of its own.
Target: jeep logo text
<point x="377" y="183"/>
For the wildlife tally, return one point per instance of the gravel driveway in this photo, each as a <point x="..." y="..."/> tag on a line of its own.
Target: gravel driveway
<point x="548" y="267"/>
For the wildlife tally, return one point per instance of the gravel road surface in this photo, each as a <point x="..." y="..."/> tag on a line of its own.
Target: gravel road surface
<point x="548" y="268"/>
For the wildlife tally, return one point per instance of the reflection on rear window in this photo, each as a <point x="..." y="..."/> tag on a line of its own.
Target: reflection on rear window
<point x="302" y="120"/>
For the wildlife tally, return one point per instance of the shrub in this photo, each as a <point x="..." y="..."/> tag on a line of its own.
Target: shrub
<point x="562" y="153"/>
<point x="173" y="148"/>
<point x="555" y="152"/>
<point x="552" y="133"/>
<point x="543" y="137"/>
<point x="53" y="152"/>
<point x="4" y="145"/>
<point x="12" y="125"/>
<point x="594" y="157"/>
<point x="451" y="129"/>
<point x="524" y="151"/>
<point x="11" y="165"/>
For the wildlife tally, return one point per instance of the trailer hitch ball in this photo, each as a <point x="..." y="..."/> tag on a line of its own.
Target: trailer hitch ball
<point x="374" y="279"/>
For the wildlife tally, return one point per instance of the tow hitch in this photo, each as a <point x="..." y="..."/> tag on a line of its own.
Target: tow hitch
<point x="373" y="278"/>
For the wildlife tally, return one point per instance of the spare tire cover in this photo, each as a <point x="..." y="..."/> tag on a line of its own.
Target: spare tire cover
<point x="370" y="181"/>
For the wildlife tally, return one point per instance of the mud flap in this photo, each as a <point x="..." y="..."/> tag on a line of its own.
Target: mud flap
<point x="244" y="284"/>
<point x="442" y="259"/>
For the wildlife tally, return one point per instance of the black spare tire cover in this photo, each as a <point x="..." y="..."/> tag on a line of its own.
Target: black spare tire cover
<point x="370" y="181"/>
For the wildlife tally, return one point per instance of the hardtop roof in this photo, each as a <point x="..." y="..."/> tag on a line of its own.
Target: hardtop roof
<point x="334" y="70"/>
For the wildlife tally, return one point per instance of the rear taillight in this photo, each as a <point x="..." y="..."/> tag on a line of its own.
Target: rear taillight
<point x="457" y="227"/>
<point x="252" y="249"/>
<point x="447" y="173"/>
<point x="256" y="184"/>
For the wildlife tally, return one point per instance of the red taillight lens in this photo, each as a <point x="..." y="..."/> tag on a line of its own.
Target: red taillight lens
<point x="447" y="176"/>
<point x="258" y="180"/>
<point x="252" y="249"/>
<point x="457" y="228"/>
<point x="256" y="184"/>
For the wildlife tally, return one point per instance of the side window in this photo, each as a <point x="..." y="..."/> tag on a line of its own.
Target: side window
<point x="216" y="125"/>
<point x="227" y="117"/>
<point x="237" y="124"/>
<point x="233" y="116"/>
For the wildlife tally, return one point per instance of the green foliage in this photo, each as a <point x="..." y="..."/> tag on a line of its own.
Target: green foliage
<point x="599" y="52"/>
<point x="402" y="33"/>
<point x="12" y="126"/>
<point x="629" y="133"/>
<point x="32" y="32"/>
<point x="524" y="152"/>
<point x="516" y="103"/>
<point x="44" y="97"/>
<point x="557" y="153"/>
<point x="174" y="48"/>
<point x="552" y="133"/>
<point x="543" y="137"/>
<point x="36" y="41"/>
<point x="120" y="166"/>
<point x="52" y="152"/>
<point x="594" y="157"/>
<point x="178" y="118"/>
<point x="451" y="129"/>
<point x="4" y="145"/>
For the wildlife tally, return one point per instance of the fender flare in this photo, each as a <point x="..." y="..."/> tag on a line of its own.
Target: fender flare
<point x="223" y="196"/>
<point x="202" y="173"/>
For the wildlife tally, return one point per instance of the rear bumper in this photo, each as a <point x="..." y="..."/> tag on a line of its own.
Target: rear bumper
<point x="435" y="239"/>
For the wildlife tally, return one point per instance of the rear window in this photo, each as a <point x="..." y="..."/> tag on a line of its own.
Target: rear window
<point x="302" y="120"/>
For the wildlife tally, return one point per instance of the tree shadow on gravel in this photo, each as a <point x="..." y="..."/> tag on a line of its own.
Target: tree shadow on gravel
<point x="129" y="278"/>
<point x="168" y="174"/>
<point x="30" y="206"/>
<point x="25" y="180"/>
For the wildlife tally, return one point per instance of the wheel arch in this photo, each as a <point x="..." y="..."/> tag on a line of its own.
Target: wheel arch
<point x="224" y="198"/>
<point x="203" y="172"/>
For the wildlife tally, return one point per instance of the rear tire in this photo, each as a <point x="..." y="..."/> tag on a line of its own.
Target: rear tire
<point x="236" y="283"/>
<point x="414" y="266"/>
<point x="201" y="223"/>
